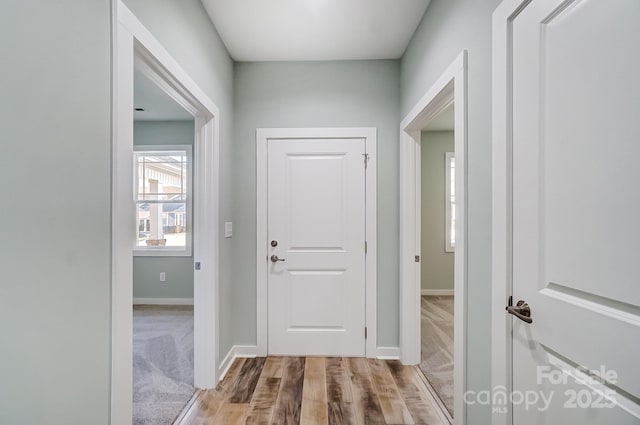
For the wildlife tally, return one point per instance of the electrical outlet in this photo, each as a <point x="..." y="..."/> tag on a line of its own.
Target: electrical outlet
<point x="163" y="277"/>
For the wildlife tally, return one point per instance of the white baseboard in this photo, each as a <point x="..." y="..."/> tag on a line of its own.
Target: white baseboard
<point x="438" y="292"/>
<point x="237" y="351"/>
<point x="163" y="301"/>
<point x="388" y="353"/>
<point x="249" y="351"/>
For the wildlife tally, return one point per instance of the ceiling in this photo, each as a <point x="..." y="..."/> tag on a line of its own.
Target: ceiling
<point x="157" y="105"/>
<point x="304" y="30"/>
<point x="444" y="121"/>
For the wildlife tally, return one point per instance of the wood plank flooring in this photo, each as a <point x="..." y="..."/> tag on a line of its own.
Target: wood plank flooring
<point x="437" y="346"/>
<point x="315" y="391"/>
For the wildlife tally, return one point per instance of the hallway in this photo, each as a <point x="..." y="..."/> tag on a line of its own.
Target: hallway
<point x="315" y="390"/>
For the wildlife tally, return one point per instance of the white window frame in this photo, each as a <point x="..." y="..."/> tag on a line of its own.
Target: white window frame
<point x="167" y="251"/>
<point x="448" y="245"/>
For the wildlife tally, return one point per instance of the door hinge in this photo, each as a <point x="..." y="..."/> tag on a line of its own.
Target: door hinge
<point x="366" y="159"/>
<point x="417" y="258"/>
<point x="365" y="332"/>
<point x="197" y="265"/>
<point x="366" y="247"/>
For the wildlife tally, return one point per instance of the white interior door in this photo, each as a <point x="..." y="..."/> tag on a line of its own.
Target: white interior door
<point x="316" y="228"/>
<point x="576" y="211"/>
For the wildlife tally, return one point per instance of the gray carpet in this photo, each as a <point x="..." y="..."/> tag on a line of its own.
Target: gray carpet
<point x="437" y="346"/>
<point x="162" y="363"/>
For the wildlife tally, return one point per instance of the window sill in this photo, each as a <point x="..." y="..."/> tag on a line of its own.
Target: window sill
<point x="161" y="252"/>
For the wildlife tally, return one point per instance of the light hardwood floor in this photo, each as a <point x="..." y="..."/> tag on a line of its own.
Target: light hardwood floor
<point x="437" y="346"/>
<point x="315" y="390"/>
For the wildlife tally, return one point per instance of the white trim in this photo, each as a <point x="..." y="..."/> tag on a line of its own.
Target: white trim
<point x="388" y="353"/>
<point x="163" y="301"/>
<point x="450" y="88"/>
<point x="167" y="251"/>
<point x="237" y="351"/>
<point x="437" y="292"/>
<point x="134" y="44"/>
<point x="501" y="273"/>
<point x="370" y="136"/>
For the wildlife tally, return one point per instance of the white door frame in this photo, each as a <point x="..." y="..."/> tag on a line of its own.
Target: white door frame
<point x="133" y="45"/>
<point x="369" y="134"/>
<point x="450" y="88"/>
<point x="502" y="184"/>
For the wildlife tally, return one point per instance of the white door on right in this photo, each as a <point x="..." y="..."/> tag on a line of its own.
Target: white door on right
<point x="576" y="211"/>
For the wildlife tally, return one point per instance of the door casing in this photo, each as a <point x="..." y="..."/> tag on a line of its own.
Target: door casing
<point x="135" y="46"/>
<point x="451" y="87"/>
<point x="263" y="135"/>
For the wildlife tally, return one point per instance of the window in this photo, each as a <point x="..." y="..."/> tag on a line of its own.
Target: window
<point x="450" y="202"/>
<point x="162" y="195"/>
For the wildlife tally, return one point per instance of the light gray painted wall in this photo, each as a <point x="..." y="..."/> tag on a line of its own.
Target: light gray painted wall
<point x="437" y="265"/>
<point x="55" y="289"/>
<point x="163" y="133"/>
<point x="185" y="30"/>
<point x="316" y="94"/>
<point x="178" y="270"/>
<point x="448" y="27"/>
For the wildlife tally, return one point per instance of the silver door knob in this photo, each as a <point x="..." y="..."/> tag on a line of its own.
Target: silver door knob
<point x="275" y="259"/>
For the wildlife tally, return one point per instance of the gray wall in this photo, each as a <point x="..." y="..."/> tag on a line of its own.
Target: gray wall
<point x="55" y="289"/>
<point x="316" y="94"/>
<point x="179" y="270"/>
<point x="437" y="265"/>
<point x="448" y="27"/>
<point x="185" y="30"/>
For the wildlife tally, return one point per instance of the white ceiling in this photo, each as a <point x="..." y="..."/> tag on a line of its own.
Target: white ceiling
<point x="444" y="121"/>
<point x="302" y="30"/>
<point x="157" y="105"/>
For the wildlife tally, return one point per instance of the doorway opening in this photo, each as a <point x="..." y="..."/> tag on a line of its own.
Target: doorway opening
<point x="433" y="219"/>
<point x="437" y="242"/>
<point x="156" y="215"/>
<point x="163" y="137"/>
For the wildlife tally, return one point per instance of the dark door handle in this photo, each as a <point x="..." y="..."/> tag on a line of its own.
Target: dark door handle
<point x="275" y="259"/>
<point x="522" y="311"/>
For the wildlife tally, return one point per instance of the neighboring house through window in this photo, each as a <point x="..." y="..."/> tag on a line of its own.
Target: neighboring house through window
<point x="163" y="200"/>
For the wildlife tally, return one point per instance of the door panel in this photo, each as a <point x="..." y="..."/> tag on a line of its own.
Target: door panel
<point x="576" y="261"/>
<point x="316" y="213"/>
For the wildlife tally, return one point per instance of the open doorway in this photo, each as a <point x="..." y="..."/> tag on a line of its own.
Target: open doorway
<point x="433" y="272"/>
<point x="437" y="241"/>
<point x="163" y="136"/>
<point x="137" y="51"/>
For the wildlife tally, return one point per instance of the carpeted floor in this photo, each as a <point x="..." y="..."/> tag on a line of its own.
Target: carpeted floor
<point x="437" y="346"/>
<point x="162" y="363"/>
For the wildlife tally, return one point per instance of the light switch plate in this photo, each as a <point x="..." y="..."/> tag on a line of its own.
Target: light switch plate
<point x="228" y="229"/>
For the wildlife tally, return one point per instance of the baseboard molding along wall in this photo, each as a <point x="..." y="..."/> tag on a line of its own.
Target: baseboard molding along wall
<point x="163" y="301"/>
<point x="237" y="351"/>
<point x="388" y="353"/>
<point x="438" y="292"/>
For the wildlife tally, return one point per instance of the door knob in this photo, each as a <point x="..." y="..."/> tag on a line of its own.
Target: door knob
<point x="522" y="311"/>
<point x="275" y="259"/>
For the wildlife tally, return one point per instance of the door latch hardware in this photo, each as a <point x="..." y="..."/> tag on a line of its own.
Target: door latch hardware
<point x="417" y="258"/>
<point x="522" y="311"/>
<point x="274" y="243"/>
<point x="275" y="259"/>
